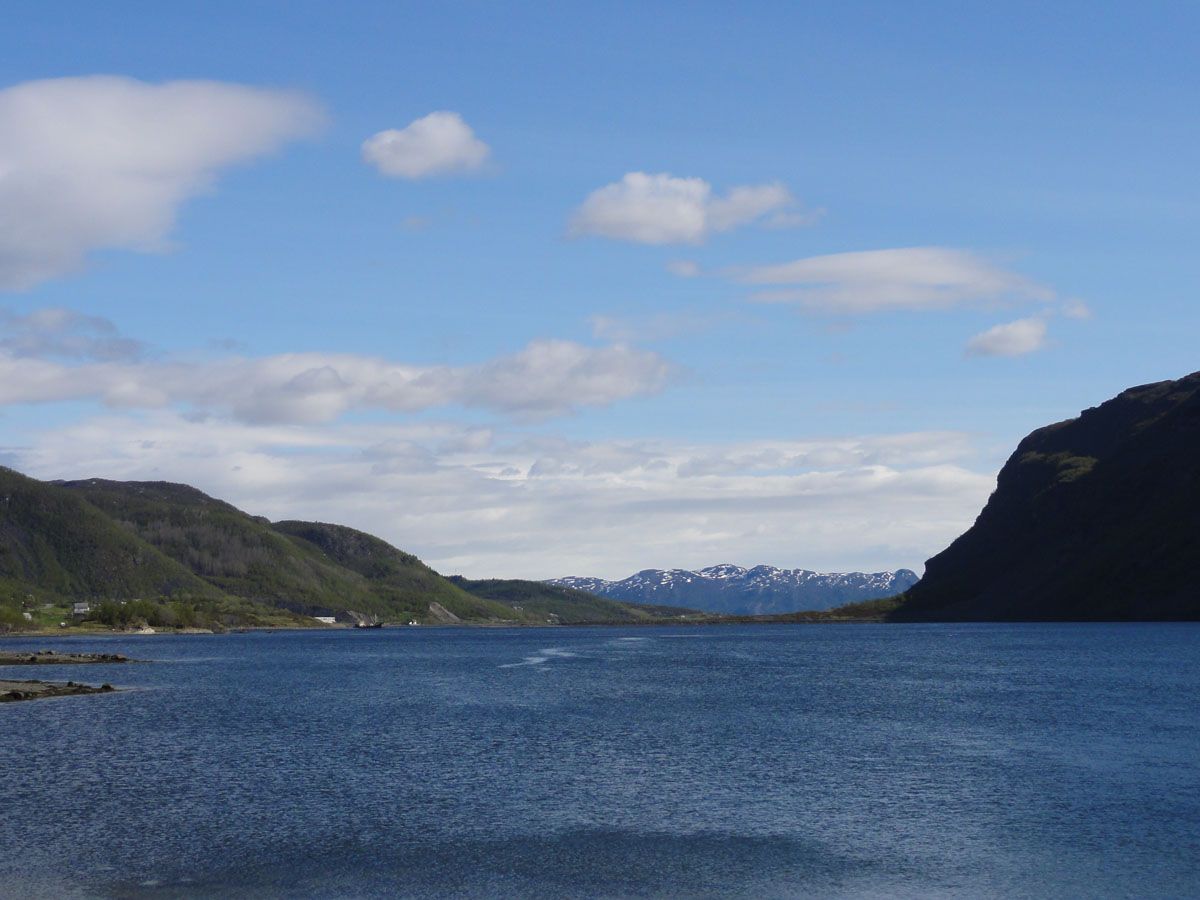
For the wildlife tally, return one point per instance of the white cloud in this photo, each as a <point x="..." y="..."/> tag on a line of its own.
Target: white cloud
<point x="654" y="327"/>
<point x="911" y="278"/>
<point x="1011" y="339"/>
<point x="663" y="209"/>
<point x="102" y="161"/>
<point x="441" y="143"/>
<point x="64" y="333"/>
<point x="794" y="219"/>
<point x="1074" y="308"/>
<point x="546" y="378"/>
<point x="511" y="504"/>
<point x="684" y="268"/>
<point x="552" y="377"/>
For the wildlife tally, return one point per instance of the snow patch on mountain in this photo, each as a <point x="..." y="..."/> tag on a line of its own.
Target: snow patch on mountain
<point x="761" y="590"/>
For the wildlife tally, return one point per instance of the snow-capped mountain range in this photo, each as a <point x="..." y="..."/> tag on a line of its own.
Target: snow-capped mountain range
<point x="731" y="589"/>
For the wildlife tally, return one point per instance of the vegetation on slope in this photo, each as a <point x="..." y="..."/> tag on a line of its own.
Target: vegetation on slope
<point x="239" y="554"/>
<point x="547" y="602"/>
<point x="402" y="584"/>
<point x="59" y="546"/>
<point x="164" y="554"/>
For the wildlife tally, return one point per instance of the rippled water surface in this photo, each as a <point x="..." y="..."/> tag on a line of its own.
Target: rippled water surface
<point x="1005" y="761"/>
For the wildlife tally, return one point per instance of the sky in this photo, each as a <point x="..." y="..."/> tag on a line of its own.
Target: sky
<point x="545" y="289"/>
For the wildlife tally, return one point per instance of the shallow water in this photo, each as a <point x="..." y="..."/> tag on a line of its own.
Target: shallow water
<point x="923" y="761"/>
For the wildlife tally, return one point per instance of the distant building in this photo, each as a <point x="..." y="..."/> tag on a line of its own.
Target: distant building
<point x="80" y="609"/>
<point x="327" y="620"/>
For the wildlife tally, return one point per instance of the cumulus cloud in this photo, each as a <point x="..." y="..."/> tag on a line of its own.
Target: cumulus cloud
<point x="514" y="504"/>
<point x="911" y="278"/>
<point x="551" y="377"/>
<point x="663" y="209"/>
<point x="1011" y="339"/>
<point x="441" y="143"/>
<point x="103" y="162"/>
<point x="546" y="378"/>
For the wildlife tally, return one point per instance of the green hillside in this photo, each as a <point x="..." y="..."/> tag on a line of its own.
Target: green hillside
<point x="56" y="548"/>
<point x="237" y="553"/>
<point x="402" y="584"/>
<point x="162" y="543"/>
<point x="548" y="602"/>
<point x="55" y="543"/>
<point x="168" y="554"/>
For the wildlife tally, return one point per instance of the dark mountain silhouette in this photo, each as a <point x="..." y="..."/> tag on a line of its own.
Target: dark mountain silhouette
<point x="1095" y="518"/>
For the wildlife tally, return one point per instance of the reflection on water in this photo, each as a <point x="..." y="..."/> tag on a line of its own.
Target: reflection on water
<point x="768" y="763"/>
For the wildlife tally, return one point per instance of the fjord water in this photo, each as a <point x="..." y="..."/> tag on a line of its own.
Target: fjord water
<point x="922" y="761"/>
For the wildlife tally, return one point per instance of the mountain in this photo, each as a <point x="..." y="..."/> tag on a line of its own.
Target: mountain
<point x="173" y="555"/>
<point x="54" y="542"/>
<point x="762" y="590"/>
<point x="1094" y="518"/>
<point x="246" y="556"/>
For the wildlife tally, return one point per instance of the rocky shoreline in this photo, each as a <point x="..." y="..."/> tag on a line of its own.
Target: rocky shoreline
<point x="12" y="691"/>
<point x="53" y="657"/>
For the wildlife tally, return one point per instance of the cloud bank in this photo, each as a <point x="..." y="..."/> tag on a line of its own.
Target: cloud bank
<point x="275" y="436"/>
<point x="663" y="209"/>
<point x="103" y="161"/>
<point x="498" y="503"/>
<point x="49" y="356"/>
<point x="441" y="143"/>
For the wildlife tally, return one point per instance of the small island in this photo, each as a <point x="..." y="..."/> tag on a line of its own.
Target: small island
<point x="53" y="657"/>
<point x="12" y="691"/>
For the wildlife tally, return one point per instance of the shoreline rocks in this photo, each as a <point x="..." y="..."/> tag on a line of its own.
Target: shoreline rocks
<point x="14" y="691"/>
<point x="53" y="657"/>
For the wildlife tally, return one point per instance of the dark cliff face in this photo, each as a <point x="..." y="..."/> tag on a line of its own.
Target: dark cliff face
<point x="1095" y="518"/>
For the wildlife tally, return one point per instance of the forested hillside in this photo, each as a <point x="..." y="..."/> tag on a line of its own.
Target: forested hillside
<point x="169" y="554"/>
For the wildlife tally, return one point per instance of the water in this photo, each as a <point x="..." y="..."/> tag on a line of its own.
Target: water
<point x="981" y="761"/>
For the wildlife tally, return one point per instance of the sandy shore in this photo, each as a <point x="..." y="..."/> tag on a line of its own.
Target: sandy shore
<point x="53" y="657"/>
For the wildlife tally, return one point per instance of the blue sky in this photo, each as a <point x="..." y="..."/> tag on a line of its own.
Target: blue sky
<point x="546" y="289"/>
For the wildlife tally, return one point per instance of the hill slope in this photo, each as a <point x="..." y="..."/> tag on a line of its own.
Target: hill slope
<point x="307" y="567"/>
<point x="401" y="582"/>
<point x="55" y="542"/>
<point x="1095" y="518"/>
<point x="552" y="602"/>
<point x="120" y="540"/>
<point x="237" y="553"/>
